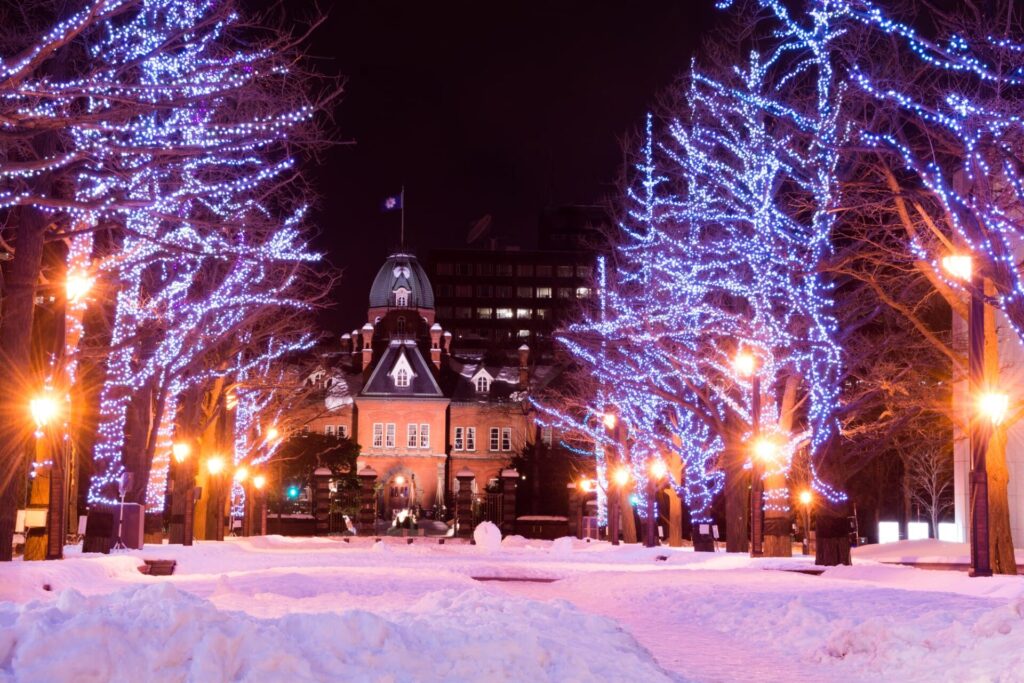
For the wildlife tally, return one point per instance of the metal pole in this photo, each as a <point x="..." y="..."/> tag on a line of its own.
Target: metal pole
<point x="756" y="485"/>
<point x="613" y="492"/>
<point x="980" y="432"/>
<point x="807" y="529"/>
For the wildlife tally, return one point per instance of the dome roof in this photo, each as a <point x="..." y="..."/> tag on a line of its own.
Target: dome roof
<point x="401" y="271"/>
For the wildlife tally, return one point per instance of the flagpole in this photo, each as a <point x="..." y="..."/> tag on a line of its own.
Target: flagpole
<point x="401" y="201"/>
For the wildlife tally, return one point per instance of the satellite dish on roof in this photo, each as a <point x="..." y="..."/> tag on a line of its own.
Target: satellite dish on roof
<point x="479" y="229"/>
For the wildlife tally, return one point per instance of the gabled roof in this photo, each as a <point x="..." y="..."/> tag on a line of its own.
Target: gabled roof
<point x="382" y="383"/>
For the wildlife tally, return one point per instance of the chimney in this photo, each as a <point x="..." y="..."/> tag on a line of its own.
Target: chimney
<point x="435" y="345"/>
<point x="448" y="343"/>
<point x="346" y="344"/>
<point x="524" y="370"/>
<point x="355" y="341"/>
<point x="367" y="345"/>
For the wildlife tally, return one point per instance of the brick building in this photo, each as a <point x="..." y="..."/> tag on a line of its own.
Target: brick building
<point x="419" y="410"/>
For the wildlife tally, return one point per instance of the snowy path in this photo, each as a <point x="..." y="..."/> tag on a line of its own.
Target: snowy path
<point x="274" y="609"/>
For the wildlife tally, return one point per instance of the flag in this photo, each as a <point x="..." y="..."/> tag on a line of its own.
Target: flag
<point x="392" y="203"/>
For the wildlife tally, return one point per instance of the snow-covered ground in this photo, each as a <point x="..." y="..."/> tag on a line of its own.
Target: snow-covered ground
<point x="281" y="609"/>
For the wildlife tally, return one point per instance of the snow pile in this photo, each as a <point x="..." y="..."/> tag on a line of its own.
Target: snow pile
<point x="487" y="536"/>
<point x="563" y="546"/>
<point x="158" y="633"/>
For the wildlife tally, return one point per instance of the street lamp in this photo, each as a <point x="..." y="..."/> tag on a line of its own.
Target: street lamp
<point x="259" y="481"/>
<point x="215" y="465"/>
<point x="961" y="267"/>
<point x="621" y="476"/>
<point x="45" y="409"/>
<point x="806" y="498"/>
<point x="180" y="529"/>
<point x="745" y="365"/>
<point x="611" y="427"/>
<point x="273" y="434"/>
<point x="77" y="287"/>
<point x="241" y="474"/>
<point x="181" y="451"/>
<point x="658" y="471"/>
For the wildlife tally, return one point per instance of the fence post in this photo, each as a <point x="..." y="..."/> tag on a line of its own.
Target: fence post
<point x="464" y="503"/>
<point x="367" y="504"/>
<point x="509" y="484"/>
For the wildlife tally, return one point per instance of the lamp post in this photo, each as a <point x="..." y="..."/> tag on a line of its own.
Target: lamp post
<point x="258" y="524"/>
<point x="658" y="470"/>
<point x="746" y="366"/>
<point x="806" y="498"/>
<point x="215" y="519"/>
<point x="961" y="267"/>
<point x="611" y="428"/>
<point x="241" y="477"/>
<point x="45" y="409"/>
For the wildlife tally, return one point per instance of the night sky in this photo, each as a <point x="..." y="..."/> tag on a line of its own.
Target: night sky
<point x="481" y="108"/>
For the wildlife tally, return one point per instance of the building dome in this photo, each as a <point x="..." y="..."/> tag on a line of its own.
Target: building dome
<point x="401" y="281"/>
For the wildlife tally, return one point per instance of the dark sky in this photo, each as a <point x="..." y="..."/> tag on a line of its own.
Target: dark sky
<point x="481" y="107"/>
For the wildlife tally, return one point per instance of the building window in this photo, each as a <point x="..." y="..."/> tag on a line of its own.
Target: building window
<point x="444" y="312"/>
<point x="524" y="313"/>
<point x="504" y="270"/>
<point x="564" y="271"/>
<point x="504" y="314"/>
<point x="485" y="313"/>
<point x="444" y="269"/>
<point x="523" y="334"/>
<point x="470" y="438"/>
<point x="584" y="271"/>
<point x="464" y="291"/>
<point x="413" y="436"/>
<point x="543" y="292"/>
<point x="494" y="443"/>
<point x="305" y="429"/>
<point x="524" y="270"/>
<point x="503" y="292"/>
<point x="564" y="292"/>
<point x="400" y="326"/>
<point x="343" y="431"/>
<point x="543" y="314"/>
<point x="484" y="291"/>
<point x="463" y="312"/>
<point x="378" y="435"/>
<point x="402" y="378"/>
<point x="506" y="439"/>
<point x="583" y="292"/>
<point x="401" y="297"/>
<point x="389" y="437"/>
<point x="543" y="271"/>
<point x="524" y="292"/>
<point x="485" y="269"/>
<point x="463" y="269"/>
<point x="482" y="384"/>
<point x="445" y="290"/>
<point x="424" y="436"/>
<point x="329" y="430"/>
<point x="459" y="444"/>
<point x="547" y="435"/>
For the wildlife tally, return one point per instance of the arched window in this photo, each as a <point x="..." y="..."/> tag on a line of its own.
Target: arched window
<point x="483" y="385"/>
<point x="402" y="378"/>
<point x="400" y="326"/>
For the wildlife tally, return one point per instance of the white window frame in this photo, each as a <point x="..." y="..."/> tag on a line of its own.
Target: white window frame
<point x="459" y="443"/>
<point x="412" y="435"/>
<point x="506" y="438"/>
<point x="424" y="435"/>
<point x="401" y="377"/>
<point x="547" y="434"/>
<point x="495" y="440"/>
<point x="470" y="438"/>
<point x="343" y="431"/>
<point x="389" y="435"/>
<point x="378" y="435"/>
<point x="483" y="385"/>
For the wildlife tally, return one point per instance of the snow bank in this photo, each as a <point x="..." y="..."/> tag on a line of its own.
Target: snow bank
<point x="158" y="633"/>
<point x="487" y="536"/>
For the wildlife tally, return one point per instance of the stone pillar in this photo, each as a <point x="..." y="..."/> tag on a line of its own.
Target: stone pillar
<point x="464" y="503"/>
<point x="575" y="511"/>
<point x="322" y="500"/>
<point x="367" y="501"/>
<point x="367" y="345"/>
<point x="435" y="345"/>
<point x="448" y="343"/>
<point x="509" y="483"/>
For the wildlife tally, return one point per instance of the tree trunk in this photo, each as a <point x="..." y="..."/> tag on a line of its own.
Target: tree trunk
<point x="1000" y="539"/>
<point x="15" y="367"/>
<point x="628" y="519"/>
<point x="778" y="538"/>
<point x="737" y="496"/>
<point x="675" y="519"/>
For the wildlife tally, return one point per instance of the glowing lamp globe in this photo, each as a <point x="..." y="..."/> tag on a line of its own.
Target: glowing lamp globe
<point x="610" y="420"/>
<point x="272" y="434"/>
<point x="994" y="406"/>
<point x="77" y="286"/>
<point x="659" y="469"/>
<point x="621" y="476"/>
<point x="399" y="480"/>
<point x="259" y="481"/>
<point x="806" y="497"/>
<point x="181" y="451"/>
<point x="586" y="485"/>
<point x="44" y="409"/>
<point x="959" y="266"/>
<point x="765" y="449"/>
<point x="745" y="364"/>
<point x="215" y="465"/>
<point x="241" y="474"/>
